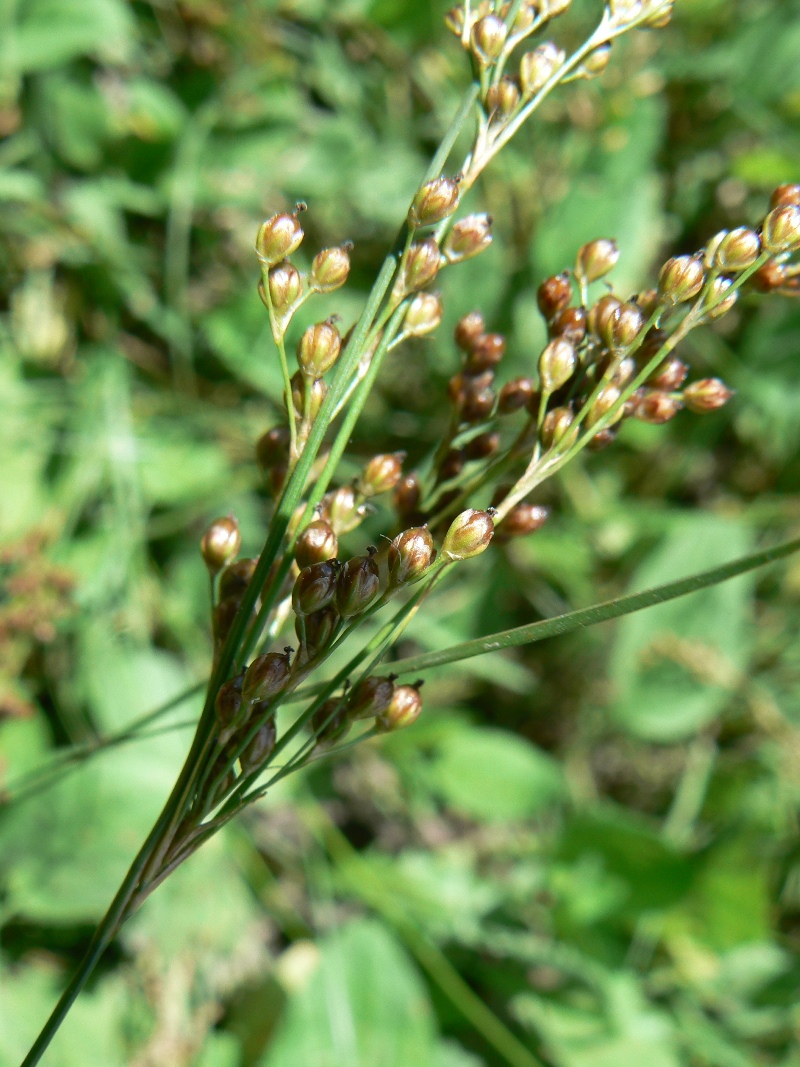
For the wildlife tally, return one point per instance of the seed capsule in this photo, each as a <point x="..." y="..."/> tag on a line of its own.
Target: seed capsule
<point x="536" y="68"/>
<point x="670" y="376"/>
<point x="436" y="200"/>
<point x="624" y="325"/>
<point x="410" y="555"/>
<point x="422" y="265"/>
<point x="228" y="705"/>
<point x="647" y="301"/>
<point x="235" y="578"/>
<point x="358" y="585"/>
<point x="488" y="38"/>
<point x="330" y="269"/>
<point x="468" y="330"/>
<point x="737" y="250"/>
<point x="382" y="474"/>
<point x="319" y="391"/>
<point x="785" y="194"/>
<point x="482" y="446"/>
<point x="604" y="402"/>
<point x="600" y="315"/>
<point x="515" y="395"/>
<point x="277" y="238"/>
<point x="469" y="534"/>
<point x="265" y="677"/>
<point x="423" y="315"/>
<point x="316" y="630"/>
<point x="318" y="349"/>
<point x="451" y="466"/>
<point x="522" y="519"/>
<point x="371" y="696"/>
<point x="221" y="543"/>
<point x="330" y="722"/>
<point x="597" y="61"/>
<point x="502" y="99"/>
<point x="224" y="614"/>
<point x="486" y="352"/>
<point x="681" y="279"/>
<point x="315" y="587"/>
<point x="781" y="230"/>
<point x="570" y="323"/>
<point x="556" y="428"/>
<point x="769" y="277"/>
<point x="407" y="494"/>
<point x="272" y="447"/>
<point x="260" y="748"/>
<point x="404" y="708"/>
<point x="468" y="237"/>
<point x="478" y="403"/>
<point x="316" y="544"/>
<point x="557" y="364"/>
<point x="285" y="286"/>
<point x="717" y="302"/>
<point x="706" y="395"/>
<point x="656" y="408"/>
<point x="554" y="294"/>
<point x="344" y="513"/>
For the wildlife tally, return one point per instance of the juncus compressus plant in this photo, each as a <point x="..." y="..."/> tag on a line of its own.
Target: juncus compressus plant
<point x="272" y="702"/>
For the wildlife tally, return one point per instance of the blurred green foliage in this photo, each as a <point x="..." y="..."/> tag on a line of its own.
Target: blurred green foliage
<point x="596" y="836"/>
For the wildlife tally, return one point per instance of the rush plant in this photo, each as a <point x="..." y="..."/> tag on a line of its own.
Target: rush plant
<point x="293" y="678"/>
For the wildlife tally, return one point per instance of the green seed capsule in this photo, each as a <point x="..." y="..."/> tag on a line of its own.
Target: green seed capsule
<point x="382" y="474"/>
<point x="557" y="364"/>
<point x="277" y="238"/>
<point x="434" y="201"/>
<point x="469" y="534"/>
<point x="681" y="279"/>
<point x="330" y="269"/>
<point x="318" y="349"/>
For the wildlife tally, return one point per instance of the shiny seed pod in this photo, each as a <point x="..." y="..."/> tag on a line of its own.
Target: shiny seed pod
<point x="272" y="447"/>
<point x="515" y="395"/>
<point x="404" y="708"/>
<point x="600" y="315"/>
<point x="647" y="301"/>
<point x="785" y="194"/>
<point x="556" y="428"/>
<point x="410" y="556"/>
<point x="260" y="748"/>
<point x="469" y="534"/>
<point x="451" y="465"/>
<point x="557" y="364"/>
<point x="486" y="353"/>
<point x="781" y="229"/>
<point x="220" y="543"/>
<point x="468" y="330"/>
<point x="706" y="395"/>
<point x="330" y="269"/>
<point x="423" y="315"/>
<point x="738" y="250"/>
<point x="554" y="294"/>
<point x="235" y="578"/>
<point x="523" y="519"/>
<point x="228" y="706"/>
<point x="597" y="61"/>
<point x="319" y="390"/>
<point x="318" y="349"/>
<point x="285" y="286"/>
<point x="315" y="587"/>
<point x="721" y="298"/>
<point x="502" y="99"/>
<point x="265" y="677"/>
<point x="769" y="277"/>
<point x="407" y="494"/>
<point x="316" y="544"/>
<point x="277" y="238"/>
<point x="624" y="326"/>
<point x="316" y="630"/>
<point x="661" y="17"/>
<point x="537" y="67"/>
<point x="624" y="372"/>
<point x="478" y="404"/>
<point x="344" y="511"/>
<point x="670" y="376"/>
<point x="602" y="439"/>
<point x="469" y="237"/>
<point x="422" y="265"/>
<point x="604" y="402"/>
<point x="330" y="722"/>
<point x="357" y="586"/>
<point x="482" y="446"/>
<point x="656" y="408"/>
<point x="681" y="279"/>
<point x="654" y="340"/>
<point x="434" y="201"/>
<point x="370" y="697"/>
<point x="569" y="323"/>
<point x="382" y="474"/>
<point x="487" y="38"/>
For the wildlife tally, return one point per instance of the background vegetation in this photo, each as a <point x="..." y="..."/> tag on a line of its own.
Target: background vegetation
<point x="597" y="836"/>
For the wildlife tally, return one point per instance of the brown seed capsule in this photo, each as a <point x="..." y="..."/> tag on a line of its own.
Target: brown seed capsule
<point x="224" y="614"/>
<point x="536" y="68"/>
<point x="488" y="38"/>
<point x="260" y="748"/>
<point x="468" y="330"/>
<point x="647" y="302"/>
<point x="410" y="556"/>
<point x="265" y="677"/>
<point x="478" y="403"/>
<point x="315" y="587"/>
<point x="515" y="395"/>
<point x="451" y="466"/>
<point x="316" y="630"/>
<point x="358" y="585"/>
<point x="600" y="315"/>
<point x="404" y="709"/>
<point x="557" y="364"/>
<point x="344" y="512"/>
<point x="469" y="534"/>
<point x="482" y="446"/>
<point x="781" y="230"/>
<point x="623" y="326"/>
<point x="554" y="294"/>
<point x="737" y="250"/>
<point x="330" y="269"/>
<point x="603" y="403"/>
<point x="316" y="544"/>
<point x="597" y="61"/>
<point x="570" y="323"/>
<point x="770" y="277"/>
<point x="371" y="696"/>
<point x="624" y="372"/>
<point x="407" y="494"/>
<point x="721" y="298"/>
<point x="502" y="99"/>
<point x="235" y="578"/>
<point x="277" y="238"/>
<point x="319" y="391"/>
<point x="228" y="706"/>
<point x="330" y="722"/>
<point x="436" y="200"/>
<point x="422" y="265"/>
<point x="670" y="376"/>
<point x="318" y="349"/>
<point x="602" y="439"/>
<point x="469" y="237"/>
<point x="423" y="315"/>
<point x="785" y="194"/>
<point x="382" y="474"/>
<point x="656" y="408"/>
<point x="706" y="395"/>
<point x="272" y="447"/>
<point x="556" y="428"/>
<point x="654" y="340"/>
<point x="522" y="519"/>
<point x="285" y="286"/>
<point x="681" y="279"/>
<point x="221" y="543"/>
<point x="486" y="352"/>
